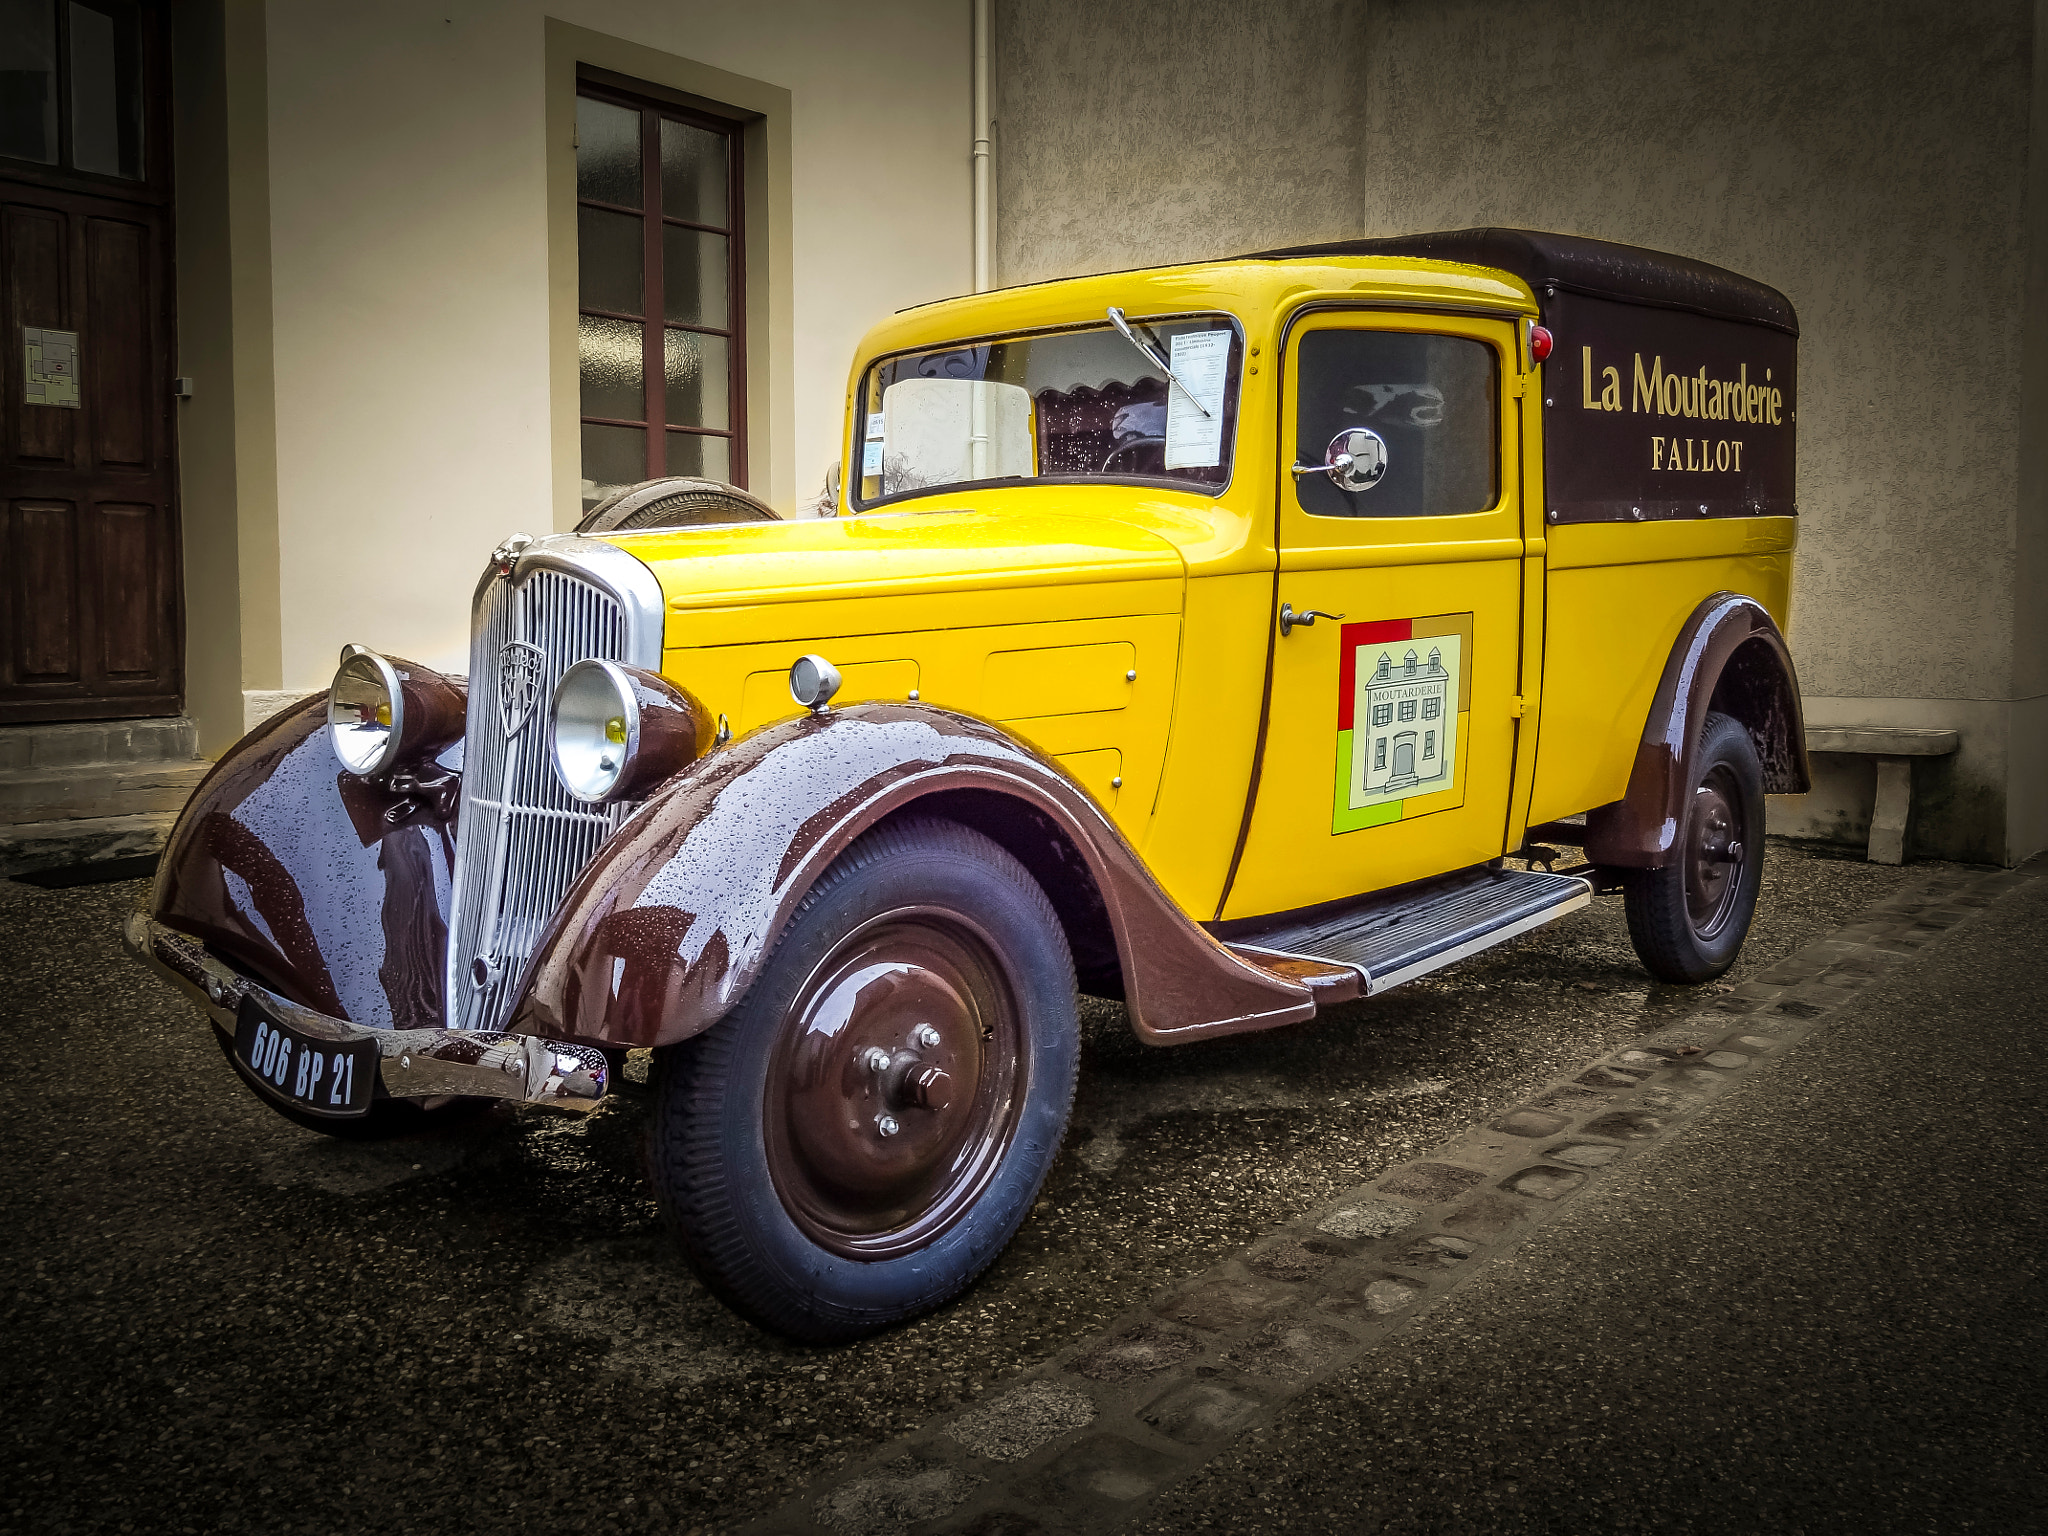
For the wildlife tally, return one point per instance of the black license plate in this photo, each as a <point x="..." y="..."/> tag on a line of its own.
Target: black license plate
<point x="335" y="1078"/>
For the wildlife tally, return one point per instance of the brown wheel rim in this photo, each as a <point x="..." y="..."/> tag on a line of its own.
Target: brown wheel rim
<point x="1716" y="848"/>
<point x="895" y="1085"/>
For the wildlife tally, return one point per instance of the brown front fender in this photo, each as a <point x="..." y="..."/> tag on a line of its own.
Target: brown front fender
<point x="667" y="927"/>
<point x="330" y="890"/>
<point x="1730" y="659"/>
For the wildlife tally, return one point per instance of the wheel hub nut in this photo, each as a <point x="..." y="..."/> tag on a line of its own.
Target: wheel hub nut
<point x="886" y="1125"/>
<point x="875" y="1059"/>
<point x="930" y="1088"/>
<point x="924" y="1037"/>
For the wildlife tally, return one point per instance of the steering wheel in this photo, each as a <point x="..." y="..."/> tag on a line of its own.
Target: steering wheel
<point x="1123" y="448"/>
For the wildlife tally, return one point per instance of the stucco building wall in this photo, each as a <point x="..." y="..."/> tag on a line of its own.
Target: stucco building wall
<point x="1171" y="130"/>
<point x="1872" y="161"/>
<point x="413" y="311"/>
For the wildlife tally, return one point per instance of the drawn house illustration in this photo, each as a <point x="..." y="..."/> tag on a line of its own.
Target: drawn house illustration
<point x="1405" y="702"/>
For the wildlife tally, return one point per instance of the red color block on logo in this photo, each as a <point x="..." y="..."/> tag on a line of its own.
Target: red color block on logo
<point x="1349" y="639"/>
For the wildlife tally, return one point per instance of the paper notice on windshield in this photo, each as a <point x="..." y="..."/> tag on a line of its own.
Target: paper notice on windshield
<point x="1201" y="361"/>
<point x="871" y="445"/>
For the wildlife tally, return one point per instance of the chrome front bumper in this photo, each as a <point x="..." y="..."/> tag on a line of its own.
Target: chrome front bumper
<point x="412" y="1063"/>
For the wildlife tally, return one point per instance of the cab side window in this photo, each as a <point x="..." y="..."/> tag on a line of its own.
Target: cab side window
<point x="1434" y="401"/>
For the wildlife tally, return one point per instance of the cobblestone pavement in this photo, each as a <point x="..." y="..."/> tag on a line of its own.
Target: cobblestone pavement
<point x="220" y="1323"/>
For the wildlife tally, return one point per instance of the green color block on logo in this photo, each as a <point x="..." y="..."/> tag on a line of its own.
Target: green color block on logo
<point x="1344" y="818"/>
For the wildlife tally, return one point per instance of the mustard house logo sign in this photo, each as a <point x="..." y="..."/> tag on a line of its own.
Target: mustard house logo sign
<point x="1408" y="729"/>
<point x="1402" y="697"/>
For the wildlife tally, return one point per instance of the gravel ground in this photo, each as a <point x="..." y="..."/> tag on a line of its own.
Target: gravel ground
<point x="218" y="1322"/>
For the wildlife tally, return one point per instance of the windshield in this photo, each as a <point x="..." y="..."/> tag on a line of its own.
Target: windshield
<point x="1080" y="404"/>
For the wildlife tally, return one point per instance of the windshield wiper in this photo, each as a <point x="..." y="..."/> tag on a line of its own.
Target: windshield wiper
<point x="1123" y="329"/>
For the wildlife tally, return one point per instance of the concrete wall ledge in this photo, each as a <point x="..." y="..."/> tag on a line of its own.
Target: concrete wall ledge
<point x="1883" y="741"/>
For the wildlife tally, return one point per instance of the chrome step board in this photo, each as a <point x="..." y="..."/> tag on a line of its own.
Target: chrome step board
<point x="1412" y="933"/>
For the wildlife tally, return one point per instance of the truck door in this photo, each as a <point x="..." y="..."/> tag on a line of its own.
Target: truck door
<point x="1390" y="739"/>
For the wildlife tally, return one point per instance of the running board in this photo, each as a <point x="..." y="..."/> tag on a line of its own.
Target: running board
<point x="1415" y="932"/>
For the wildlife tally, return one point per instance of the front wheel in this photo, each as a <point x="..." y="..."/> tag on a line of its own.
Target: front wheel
<point x="1688" y="919"/>
<point x="864" y="1133"/>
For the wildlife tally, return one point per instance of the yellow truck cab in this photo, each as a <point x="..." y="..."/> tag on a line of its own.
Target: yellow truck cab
<point x="1208" y="637"/>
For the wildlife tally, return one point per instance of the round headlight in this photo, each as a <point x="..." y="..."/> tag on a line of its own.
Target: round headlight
<point x="596" y="729"/>
<point x="617" y="731"/>
<point x="386" y="712"/>
<point x="366" y="713"/>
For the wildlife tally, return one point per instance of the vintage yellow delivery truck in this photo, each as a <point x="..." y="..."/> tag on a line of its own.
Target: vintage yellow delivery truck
<point x="1207" y="637"/>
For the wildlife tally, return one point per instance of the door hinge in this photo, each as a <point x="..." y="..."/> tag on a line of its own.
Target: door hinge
<point x="1515" y="707"/>
<point x="1519" y="387"/>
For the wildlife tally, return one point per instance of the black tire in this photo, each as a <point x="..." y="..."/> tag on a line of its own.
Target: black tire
<point x="675" y="502"/>
<point x="388" y="1119"/>
<point x="1688" y="919"/>
<point x="768" y="1154"/>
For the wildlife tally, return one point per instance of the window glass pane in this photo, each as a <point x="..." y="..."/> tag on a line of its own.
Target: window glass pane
<point x="106" y="90"/>
<point x="708" y="457"/>
<point x="608" y="255"/>
<point x="1432" y="401"/>
<point x="693" y="271"/>
<point x="28" y="80"/>
<point x="607" y="152"/>
<point x="696" y="380"/>
<point x="613" y="367"/>
<point x="613" y="457"/>
<point x="693" y="174"/>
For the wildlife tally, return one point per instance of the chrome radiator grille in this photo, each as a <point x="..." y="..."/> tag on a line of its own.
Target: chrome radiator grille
<point x="522" y="838"/>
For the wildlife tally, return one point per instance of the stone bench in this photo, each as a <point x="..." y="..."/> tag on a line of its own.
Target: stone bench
<point x="1893" y="747"/>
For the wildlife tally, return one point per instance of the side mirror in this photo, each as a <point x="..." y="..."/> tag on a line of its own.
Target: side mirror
<point x="1355" y="460"/>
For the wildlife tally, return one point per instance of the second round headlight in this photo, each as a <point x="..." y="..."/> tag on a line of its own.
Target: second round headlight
<point x="595" y="730"/>
<point x="615" y="732"/>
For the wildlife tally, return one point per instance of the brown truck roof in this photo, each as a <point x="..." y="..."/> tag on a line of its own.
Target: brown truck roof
<point x="1598" y="269"/>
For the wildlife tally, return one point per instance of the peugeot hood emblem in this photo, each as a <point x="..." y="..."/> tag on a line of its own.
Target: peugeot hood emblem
<point x="520" y="670"/>
<point x="505" y="558"/>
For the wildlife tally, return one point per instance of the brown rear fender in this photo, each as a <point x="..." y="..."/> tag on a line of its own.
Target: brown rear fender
<point x="669" y="924"/>
<point x="1730" y="659"/>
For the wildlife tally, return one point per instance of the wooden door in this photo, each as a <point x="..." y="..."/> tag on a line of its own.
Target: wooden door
<point x="89" y="556"/>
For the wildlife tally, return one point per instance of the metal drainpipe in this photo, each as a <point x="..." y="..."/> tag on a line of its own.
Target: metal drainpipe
<point x="978" y="412"/>
<point x="982" y="231"/>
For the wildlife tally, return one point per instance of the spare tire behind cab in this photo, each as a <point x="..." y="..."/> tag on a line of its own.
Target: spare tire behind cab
<point x="675" y="502"/>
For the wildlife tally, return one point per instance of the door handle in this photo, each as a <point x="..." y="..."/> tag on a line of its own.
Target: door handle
<point x="1306" y="618"/>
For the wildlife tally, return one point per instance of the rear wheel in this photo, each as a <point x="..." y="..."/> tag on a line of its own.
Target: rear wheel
<point x="1688" y="919"/>
<point x="863" y="1134"/>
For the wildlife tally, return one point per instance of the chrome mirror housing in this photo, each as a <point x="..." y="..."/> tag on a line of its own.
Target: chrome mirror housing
<point x="1356" y="460"/>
